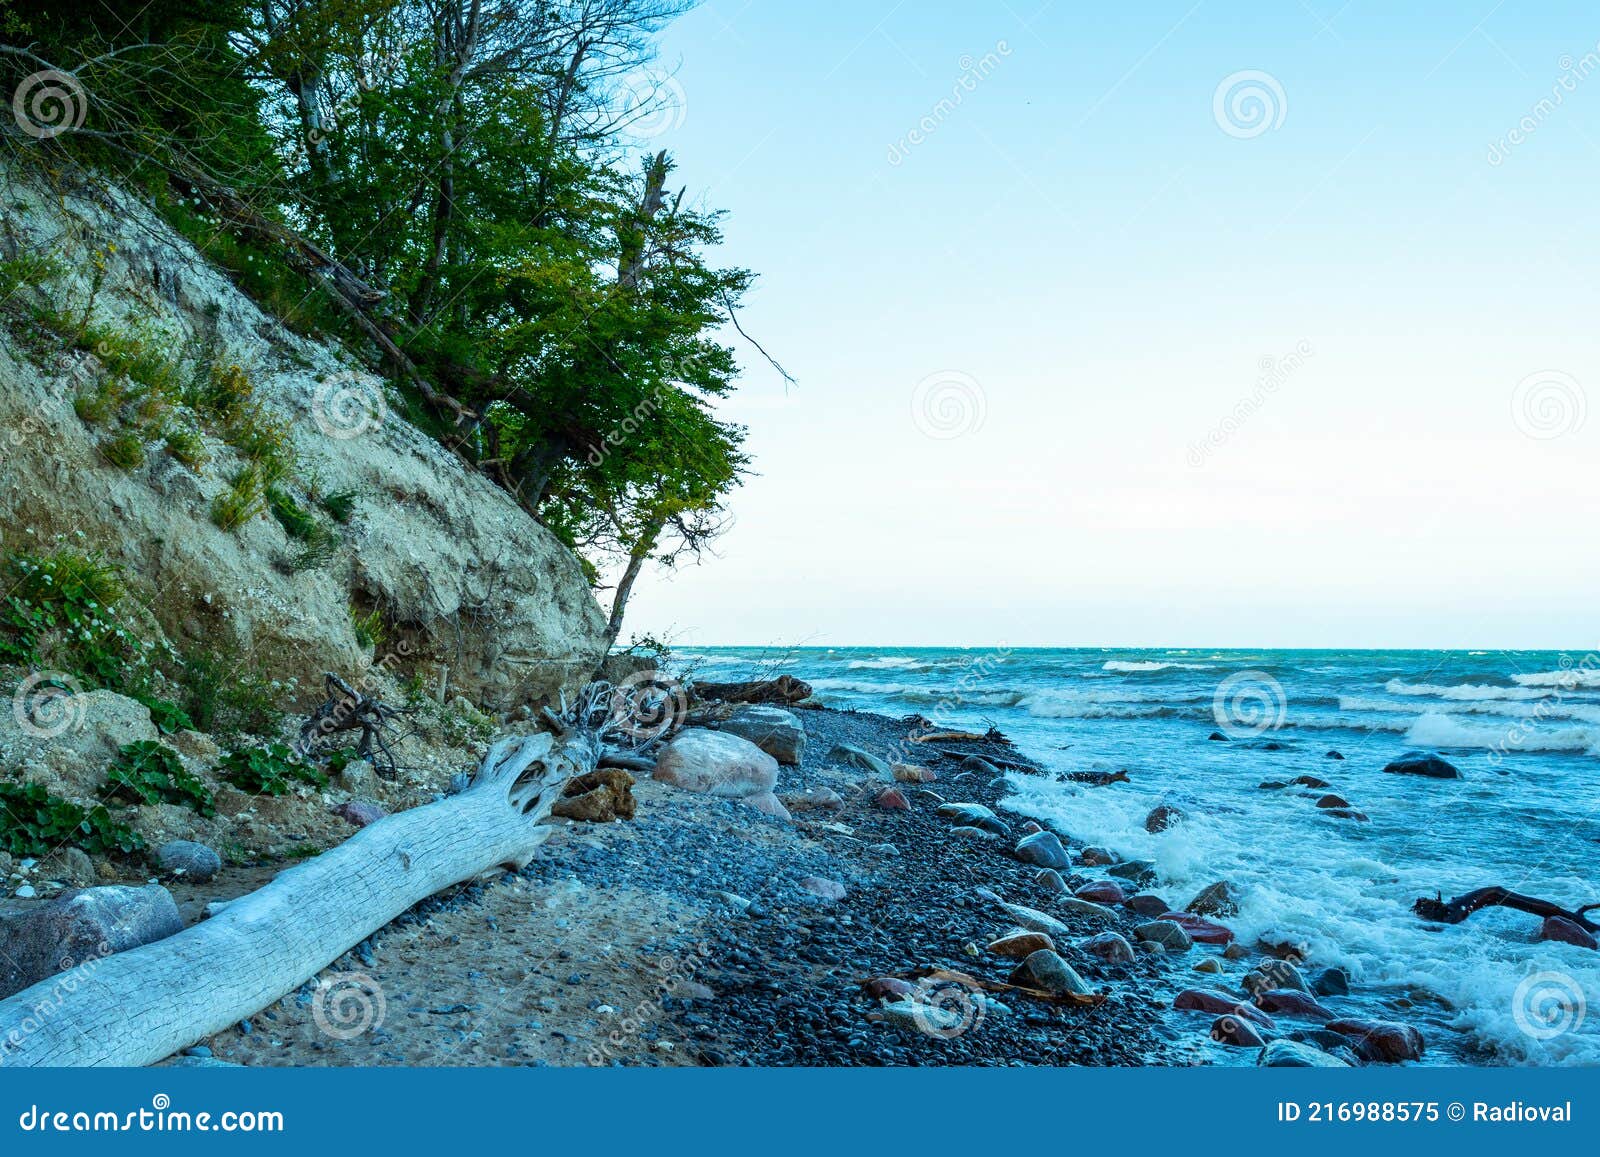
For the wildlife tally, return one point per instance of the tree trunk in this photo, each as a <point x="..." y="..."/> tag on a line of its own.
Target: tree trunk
<point x="1456" y="910"/>
<point x="136" y="1007"/>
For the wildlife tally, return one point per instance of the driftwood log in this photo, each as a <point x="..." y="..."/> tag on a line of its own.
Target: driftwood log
<point x="1440" y="910"/>
<point x="136" y="1007"/>
<point x="783" y="689"/>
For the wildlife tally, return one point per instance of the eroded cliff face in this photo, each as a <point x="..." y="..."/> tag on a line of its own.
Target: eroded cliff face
<point x="459" y="575"/>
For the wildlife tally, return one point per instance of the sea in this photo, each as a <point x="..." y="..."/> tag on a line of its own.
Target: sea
<point x="1522" y="726"/>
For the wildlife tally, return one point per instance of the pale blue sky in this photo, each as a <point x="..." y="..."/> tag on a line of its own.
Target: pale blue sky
<point x="1082" y="251"/>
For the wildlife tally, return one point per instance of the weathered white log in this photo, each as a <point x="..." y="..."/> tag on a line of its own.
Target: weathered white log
<point x="136" y="1007"/>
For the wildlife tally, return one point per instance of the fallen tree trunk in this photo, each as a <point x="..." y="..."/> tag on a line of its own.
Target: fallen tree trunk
<point x="136" y="1007"/>
<point x="783" y="689"/>
<point x="1456" y="910"/>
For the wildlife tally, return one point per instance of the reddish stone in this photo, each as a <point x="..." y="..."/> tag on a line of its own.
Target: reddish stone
<point x="1565" y="931"/>
<point x="892" y="799"/>
<point x="1381" y="1040"/>
<point x="1200" y="930"/>
<point x="1028" y="828"/>
<point x="1101" y="892"/>
<point x="1112" y="947"/>
<point x="1210" y="1000"/>
<point x="890" y="988"/>
<point x="1288" y="1002"/>
<point x="360" y="812"/>
<point x="1161" y="818"/>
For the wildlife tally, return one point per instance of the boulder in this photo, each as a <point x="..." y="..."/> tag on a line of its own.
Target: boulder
<point x="1095" y="858"/>
<point x="1236" y="1031"/>
<point x="1271" y="785"/>
<point x="892" y="799"/>
<point x="845" y="755"/>
<point x="193" y="861"/>
<point x="1334" y="755"/>
<point x="597" y="797"/>
<point x="362" y="812"/>
<point x="1111" y="947"/>
<point x="1331" y="982"/>
<point x="1029" y="827"/>
<point x="1050" y="880"/>
<point x="42" y="938"/>
<point x="1330" y="800"/>
<point x="1564" y="931"/>
<point x="913" y="773"/>
<point x="817" y="799"/>
<point x="1163" y="817"/>
<point x="1209" y="1000"/>
<point x="69" y="865"/>
<point x="1210" y="965"/>
<point x="1310" y="781"/>
<point x="767" y="804"/>
<point x="1423" y="763"/>
<point x="1200" y="929"/>
<point x="777" y="732"/>
<point x="974" y="815"/>
<point x="822" y="888"/>
<point x="1046" y="971"/>
<point x="1291" y="1002"/>
<point x="1218" y="737"/>
<point x="890" y="988"/>
<point x="1087" y="909"/>
<point x="1344" y="813"/>
<point x="1216" y="899"/>
<point x="716" y="763"/>
<point x="1380" y="1040"/>
<point x="979" y="766"/>
<point x="969" y="832"/>
<point x="1288" y="1054"/>
<point x="64" y="740"/>
<point x="1139" y="873"/>
<point x="1271" y="974"/>
<point x="1147" y="904"/>
<point x="1021" y="944"/>
<point x="1035" y="921"/>
<point x="1044" y="849"/>
<point x="1101" y="892"/>
<point x="1167" y="934"/>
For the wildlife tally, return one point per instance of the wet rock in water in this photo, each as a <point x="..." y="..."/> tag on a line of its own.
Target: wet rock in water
<point x="193" y="860"/>
<point x="974" y="815"/>
<point x="1273" y="974"/>
<point x="1271" y="785"/>
<point x="1036" y="921"/>
<point x="1147" y="904"/>
<point x="1044" y="849"/>
<point x="1021" y="944"/>
<point x="1169" y="935"/>
<point x="1236" y="1031"/>
<point x="822" y="888"/>
<point x="777" y="732"/>
<point x="1291" y="1002"/>
<point x="1029" y="827"/>
<point x="1102" y="892"/>
<point x="1288" y="1054"/>
<point x="1235" y="951"/>
<point x="1331" y="800"/>
<point x="716" y="763"/>
<point x="1200" y="929"/>
<point x="68" y="865"/>
<point x="892" y="799"/>
<point x="1210" y="1000"/>
<point x="817" y="799"/>
<point x="362" y="812"/>
<point x="890" y="988"/>
<point x="1311" y="782"/>
<point x="1046" y="970"/>
<point x="913" y="773"/>
<point x="1334" y="755"/>
<point x="1216" y="899"/>
<point x="1112" y="947"/>
<point x="980" y="766"/>
<point x="42" y="939"/>
<point x="1424" y="763"/>
<point x="1087" y="908"/>
<point x="767" y="804"/>
<point x="1388" y="1041"/>
<point x="1209" y="965"/>
<point x="1344" y="813"/>
<point x="1218" y="737"/>
<point x="1050" y="880"/>
<point x="846" y="755"/>
<point x="1162" y="817"/>
<point x="1564" y="931"/>
<point x="1331" y="982"/>
<point x="1139" y="873"/>
<point x="1095" y="858"/>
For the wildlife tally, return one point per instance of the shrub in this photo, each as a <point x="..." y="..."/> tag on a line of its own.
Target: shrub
<point x="167" y="716"/>
<point x="368" y="626"/>
<point x="187" y="446"/>
<point x="125" y="450"/>
<point x="341" y="505"/>
<point x="268" y="770"/>
<point x="151" y="772"/>
<point x="296" y="521"/>
<point x="67" y="602"/>
<point x="225" y="695"/>
<point x="35" y="823"/>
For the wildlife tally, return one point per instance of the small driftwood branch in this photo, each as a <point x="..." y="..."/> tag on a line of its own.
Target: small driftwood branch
<point x="347" y="709"/>
<point x="1455" y="911"/>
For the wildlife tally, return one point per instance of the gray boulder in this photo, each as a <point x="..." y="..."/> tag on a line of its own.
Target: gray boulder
<point x="845" y="755"/>
<point x="777" y="732"/>
<point x="1043" y="849"/>
<point x="1045" y="970"/>
<point x="1288" y="1054"/>
<point x="1424" y="763"/>
<point x="194" y="861"/>
<point x="1166" y="933"/>
<point x="717" y="763"/>
<point x="40" y="939"/>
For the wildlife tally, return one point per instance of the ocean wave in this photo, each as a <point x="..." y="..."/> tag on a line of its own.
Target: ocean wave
<point x="887" y="663"/>
<point x="1129" y="667"/>
<point x="1568" y="679"/>
<point x="1539" y="710"/>
<point x="1435" y="730"/>
<point x="1465" y="692"/>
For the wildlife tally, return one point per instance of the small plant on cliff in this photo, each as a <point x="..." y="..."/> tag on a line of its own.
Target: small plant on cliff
<point x="268" y="770"/>
<point x="35" y="823"/>
<point x="368" y="626"/>
<point x="225" y="695"/>
<point x="125" y="450"/>
<point x="151" y="772"/>
<point x="62" y="612"/>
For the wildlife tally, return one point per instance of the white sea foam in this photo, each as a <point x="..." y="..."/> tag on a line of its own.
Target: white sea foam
<point x="1128" y="667"/>
<point x="1465" y="692"/>
<point x="888" y="662"/>
<point x="1437" y="730"/>
<point x="1574" y="678"/>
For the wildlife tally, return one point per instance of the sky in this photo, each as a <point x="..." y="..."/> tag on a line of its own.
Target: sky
<point x="1168" y="324"/>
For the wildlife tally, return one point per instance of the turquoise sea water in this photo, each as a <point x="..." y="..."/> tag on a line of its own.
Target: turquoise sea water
<point x="1524" y="728"/>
